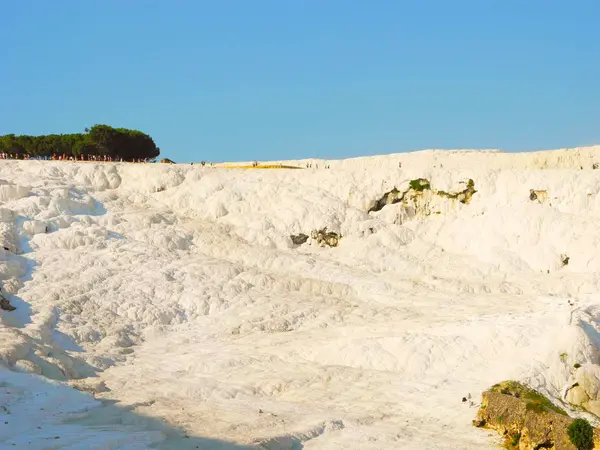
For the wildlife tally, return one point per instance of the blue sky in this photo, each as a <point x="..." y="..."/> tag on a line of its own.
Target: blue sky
<point x="270" y="79"/>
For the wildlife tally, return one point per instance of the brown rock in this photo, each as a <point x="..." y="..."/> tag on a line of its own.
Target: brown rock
<point x="538" y="195"/>
<point x="5" y="305"/>
<point x="326" y="238"/>
<point x="299" y="239"/>
<point x="529" y="421"/>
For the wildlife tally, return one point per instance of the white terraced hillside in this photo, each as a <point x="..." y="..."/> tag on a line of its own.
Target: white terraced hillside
<point x="179" y="306"/>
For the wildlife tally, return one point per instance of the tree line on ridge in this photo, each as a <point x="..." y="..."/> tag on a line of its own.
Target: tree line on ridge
<point x="97" y="142"/>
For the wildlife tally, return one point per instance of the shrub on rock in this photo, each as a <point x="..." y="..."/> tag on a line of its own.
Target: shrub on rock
<point x="581" y="434"/>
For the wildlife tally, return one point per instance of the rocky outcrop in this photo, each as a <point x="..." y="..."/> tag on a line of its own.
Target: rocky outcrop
<point x="389" y="198"/>
<point x="5" y="304"/>
<point x="463" y="196"/>
<point x="167" y="161"/>
<point x="325" y="238"/>
<point x="585" y="389"/>
<point x="527" y="419"/>
<point x="395" y="196"/>
<point x="299" y="239"/>
<point x="322" y="237"/>
<point x="419" y="194"/>
<point x="538" y="195"/>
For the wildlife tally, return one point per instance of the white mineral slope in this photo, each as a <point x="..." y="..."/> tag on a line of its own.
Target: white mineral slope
<point x="176" y="291"/>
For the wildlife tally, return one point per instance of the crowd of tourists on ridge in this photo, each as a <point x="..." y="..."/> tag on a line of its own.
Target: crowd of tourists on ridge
<point x="109" y="158"/>
<point x="64" y="157"/>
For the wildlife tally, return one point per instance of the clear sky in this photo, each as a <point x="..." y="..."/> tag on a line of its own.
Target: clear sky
<point x="273" y="79"/>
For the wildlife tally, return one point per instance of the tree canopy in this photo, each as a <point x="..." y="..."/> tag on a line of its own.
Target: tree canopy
<point x="98" y="140"/>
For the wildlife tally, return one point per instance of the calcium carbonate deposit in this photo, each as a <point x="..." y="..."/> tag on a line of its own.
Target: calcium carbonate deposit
<point x="349" y="305"/>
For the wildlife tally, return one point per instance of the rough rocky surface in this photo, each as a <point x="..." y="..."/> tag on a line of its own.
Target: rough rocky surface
<point x="585" y="391"/>
<point x="299" y="239"/>
<point x="463" y="196"/>
<point x="325" y="238"/>
<point x="538" y="195"/>
<point x="5" y="304"/>
<point x="389" y="198"/>
<point x="525" y="418"/>
<point x="419" y="193"/>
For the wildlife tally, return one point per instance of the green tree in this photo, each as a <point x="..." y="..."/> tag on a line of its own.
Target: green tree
<point x="99" y="139"/>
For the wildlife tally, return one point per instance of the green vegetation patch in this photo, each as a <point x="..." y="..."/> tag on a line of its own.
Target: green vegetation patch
<point x="515" y="438"/>
<point x="98" y="140"/>
<point x="534" y="401"/>
<point x="464" y="196"/>
<point x="447" y="194"/>
<point x="581" y="434"/>
<point x="511" y="441"/>
<point x="420" y="184"/>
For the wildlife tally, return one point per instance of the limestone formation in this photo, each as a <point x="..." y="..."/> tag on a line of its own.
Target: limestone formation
<point x="463" y="196"/>
<point x="585" y="390"/>
<point x="389" y="198"/>
<point x="419" y="191"/>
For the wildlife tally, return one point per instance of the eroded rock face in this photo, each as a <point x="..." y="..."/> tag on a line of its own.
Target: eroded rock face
<point x="509" y="416"/>
<point x="585" y="391"/>
<point x="389" y="198"/>
<point x="463" y="196"/>
<point x="322" y="238"/>
<point x="419" y="193"/>
<point x="5" y="305"/>
<point x="325" y="238"/>
<point x="299" y="239"/>
<point x="538" y="195"/>
<point x="527" y="423"/>
<point x="415" y="189"/>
